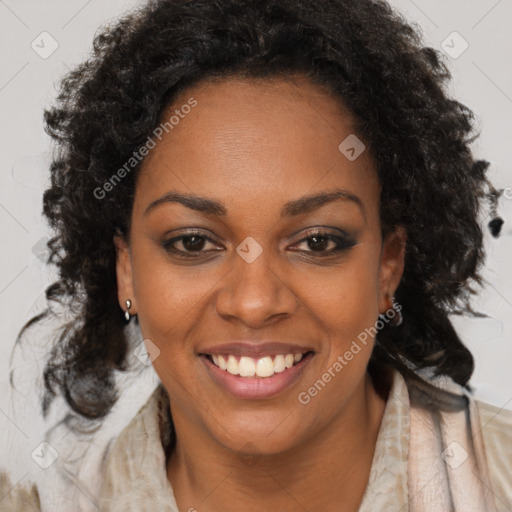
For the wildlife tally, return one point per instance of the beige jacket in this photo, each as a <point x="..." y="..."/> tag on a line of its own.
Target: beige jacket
<point x="134" y="478"/>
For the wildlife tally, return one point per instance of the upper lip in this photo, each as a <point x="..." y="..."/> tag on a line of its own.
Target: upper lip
<point x="256" y="348"/>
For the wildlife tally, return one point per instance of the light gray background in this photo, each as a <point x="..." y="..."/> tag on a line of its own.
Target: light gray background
<point x="482" y="80"/>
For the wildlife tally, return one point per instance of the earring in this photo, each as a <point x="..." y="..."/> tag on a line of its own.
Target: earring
<point x="127" y="312"/>
<point x="397" y="318"/>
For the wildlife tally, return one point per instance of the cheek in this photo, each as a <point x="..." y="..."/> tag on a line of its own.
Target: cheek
<point x="170" y="301"/>
<point x="346" y="304"/>
<point x="167" y="294"/>
<point x="346" y="299"/>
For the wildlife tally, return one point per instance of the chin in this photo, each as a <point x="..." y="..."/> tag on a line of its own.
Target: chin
<point x="266" y="436"/>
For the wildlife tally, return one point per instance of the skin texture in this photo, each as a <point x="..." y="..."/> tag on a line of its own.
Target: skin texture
<point x="254" y="145"/>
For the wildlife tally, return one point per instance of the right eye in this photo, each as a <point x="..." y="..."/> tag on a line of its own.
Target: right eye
<point x="191" y="242"/>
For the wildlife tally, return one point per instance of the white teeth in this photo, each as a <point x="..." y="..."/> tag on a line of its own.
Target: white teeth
<point x="232" y="365"/>
<point x="246" y="367"/>
<point x="263" y="367"/>
<point x="288" y="360"/>
<point x="279" y="364"/>
<point x="222" y="363"/>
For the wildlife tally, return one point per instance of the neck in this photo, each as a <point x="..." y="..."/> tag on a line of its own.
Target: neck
<point x="329" y="472"/>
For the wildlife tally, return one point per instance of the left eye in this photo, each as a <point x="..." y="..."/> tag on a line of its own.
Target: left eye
<point x="319" y="242"/>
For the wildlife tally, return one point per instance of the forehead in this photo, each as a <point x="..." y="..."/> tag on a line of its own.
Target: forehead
<point x="259" y="140"/>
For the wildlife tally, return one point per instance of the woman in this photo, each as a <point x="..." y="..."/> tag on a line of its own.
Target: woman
<point x="280" y="198"/>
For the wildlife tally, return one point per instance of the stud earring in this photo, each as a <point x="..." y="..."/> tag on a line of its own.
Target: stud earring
<point x="127" y="312"/>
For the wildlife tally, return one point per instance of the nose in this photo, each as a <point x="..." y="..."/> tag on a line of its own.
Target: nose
<point x="255" y="293"/>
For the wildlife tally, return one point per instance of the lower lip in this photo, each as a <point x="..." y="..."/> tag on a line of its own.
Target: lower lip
<point x="256" y="387"/>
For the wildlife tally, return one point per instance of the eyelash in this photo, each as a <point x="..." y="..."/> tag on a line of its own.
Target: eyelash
<point x="343" y="243"/>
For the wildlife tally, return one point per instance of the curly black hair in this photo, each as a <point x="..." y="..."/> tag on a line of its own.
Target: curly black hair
<point x="360" y="51"/>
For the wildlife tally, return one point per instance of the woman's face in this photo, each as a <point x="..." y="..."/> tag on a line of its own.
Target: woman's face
<point x="249" y="158"/>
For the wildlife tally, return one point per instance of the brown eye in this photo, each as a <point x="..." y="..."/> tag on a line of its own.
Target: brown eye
<point x="324" y="243"/>
<point x="193" y="242"/>
<point x="318" y="242"/>
<point x="189" y="245"/>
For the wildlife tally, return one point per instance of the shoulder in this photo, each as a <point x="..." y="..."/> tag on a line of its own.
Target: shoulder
<point x="496" y="428"/>
<point x="17" y="496"/>
<point x="134" y="475"/>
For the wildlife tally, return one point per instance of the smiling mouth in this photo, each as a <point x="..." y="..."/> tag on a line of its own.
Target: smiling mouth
<point x="263" y="367"/>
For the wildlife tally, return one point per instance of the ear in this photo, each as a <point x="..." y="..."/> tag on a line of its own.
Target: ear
<point x="391" y="266"/>
<point x="124" y="274"/>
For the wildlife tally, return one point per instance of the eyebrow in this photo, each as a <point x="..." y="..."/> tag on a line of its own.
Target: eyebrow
<point x="292" y="208"/>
